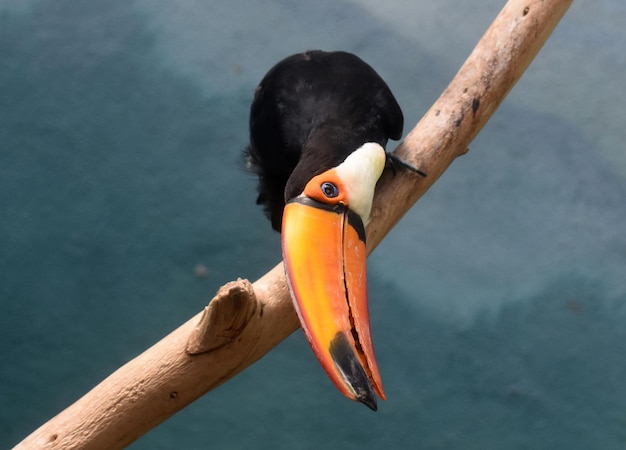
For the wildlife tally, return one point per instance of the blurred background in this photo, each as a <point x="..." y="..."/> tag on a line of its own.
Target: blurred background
<point x="498" y="304"/>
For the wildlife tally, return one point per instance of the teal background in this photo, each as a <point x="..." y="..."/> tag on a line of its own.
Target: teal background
<point x="498" y="303"/>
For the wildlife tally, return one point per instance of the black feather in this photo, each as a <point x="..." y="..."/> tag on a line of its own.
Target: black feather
<point x="310" y="111"/>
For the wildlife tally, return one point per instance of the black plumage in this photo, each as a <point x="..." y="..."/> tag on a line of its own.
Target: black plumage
<point x="310" y="111"/>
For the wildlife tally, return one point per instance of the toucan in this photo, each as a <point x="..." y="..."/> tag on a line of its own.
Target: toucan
<point x="319" y="124"/>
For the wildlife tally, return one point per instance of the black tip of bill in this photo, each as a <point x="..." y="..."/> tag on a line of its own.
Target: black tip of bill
<point x="352" y="371"/>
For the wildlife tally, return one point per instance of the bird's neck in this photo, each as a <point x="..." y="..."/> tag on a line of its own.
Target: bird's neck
<point x="326" y="147"/>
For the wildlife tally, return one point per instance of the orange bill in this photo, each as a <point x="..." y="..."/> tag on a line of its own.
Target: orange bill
<point x="325" y="262"/>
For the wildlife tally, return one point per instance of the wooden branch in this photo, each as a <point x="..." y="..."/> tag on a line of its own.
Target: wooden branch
<point x="243" y="322"/>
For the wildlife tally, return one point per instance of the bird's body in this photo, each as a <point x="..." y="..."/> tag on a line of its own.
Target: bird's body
<point x="319" y="123"/>
<point x="309" y="113"/>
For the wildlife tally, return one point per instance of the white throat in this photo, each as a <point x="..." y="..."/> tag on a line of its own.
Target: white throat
<point x="360" y="172"/>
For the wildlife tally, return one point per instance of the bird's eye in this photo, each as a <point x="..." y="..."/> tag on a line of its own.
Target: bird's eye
<point x="330" y="190"/>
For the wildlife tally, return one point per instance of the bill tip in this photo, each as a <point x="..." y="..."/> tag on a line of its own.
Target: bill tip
<point x="370" y="402"/>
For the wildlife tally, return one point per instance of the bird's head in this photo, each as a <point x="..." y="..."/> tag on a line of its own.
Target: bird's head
<point x="352" y="182"/>
<point x="323" y="239"/>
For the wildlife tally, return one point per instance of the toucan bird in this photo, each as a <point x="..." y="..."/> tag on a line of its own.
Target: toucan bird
<point x="319" y="124"/>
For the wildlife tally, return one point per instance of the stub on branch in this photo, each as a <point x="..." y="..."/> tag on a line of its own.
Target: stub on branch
<point x="225" y="317"/>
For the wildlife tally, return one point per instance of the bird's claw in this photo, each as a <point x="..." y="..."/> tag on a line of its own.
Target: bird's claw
<point x="393" y="160"/>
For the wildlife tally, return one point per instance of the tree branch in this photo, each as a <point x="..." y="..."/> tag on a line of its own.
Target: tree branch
<point x="245" y="321"/>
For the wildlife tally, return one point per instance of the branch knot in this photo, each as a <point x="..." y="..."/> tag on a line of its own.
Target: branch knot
<point x="225" y="317"/>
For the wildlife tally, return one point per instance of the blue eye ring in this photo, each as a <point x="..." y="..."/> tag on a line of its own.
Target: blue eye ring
<point x="329" y="189"/>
